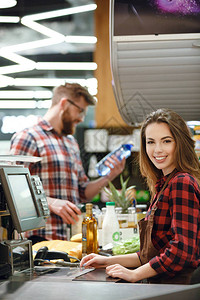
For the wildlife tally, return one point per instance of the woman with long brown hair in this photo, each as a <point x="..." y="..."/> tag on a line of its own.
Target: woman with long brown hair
<point x="170" y="232"/>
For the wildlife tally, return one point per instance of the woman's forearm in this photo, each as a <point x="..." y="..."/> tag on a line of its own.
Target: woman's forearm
<point x="128" y="260"/>
<point x="143" y="272"/>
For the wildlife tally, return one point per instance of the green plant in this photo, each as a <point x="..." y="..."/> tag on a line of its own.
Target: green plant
<point x="123" y="198"/>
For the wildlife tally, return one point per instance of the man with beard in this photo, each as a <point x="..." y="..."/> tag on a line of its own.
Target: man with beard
<point x="61" y="171"/>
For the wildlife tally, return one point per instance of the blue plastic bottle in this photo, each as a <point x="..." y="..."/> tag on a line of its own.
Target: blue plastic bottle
<point x="121" y="152"/>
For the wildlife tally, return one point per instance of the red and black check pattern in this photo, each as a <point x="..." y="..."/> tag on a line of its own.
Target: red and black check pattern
<point x="60" y="170"/>
<point x="176" y="230"/>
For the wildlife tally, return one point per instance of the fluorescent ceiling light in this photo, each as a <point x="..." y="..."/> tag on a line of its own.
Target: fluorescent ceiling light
<point x="25" y="94"/>
<point x="29" y="20"/>
<point x="49" y="82"/>
<point x="48" y="42"/>
<point x="15" y="104"/>
<point x="7" y="3"/>
<point x="40" y="28"/>
<point x="66" y="66"/>
<point x="81" y="39"/>
<point x="5" y="81"/>
<point x="16" y="58"/>
<point x="30" y="104"/>
<point x="52" y="82"/>
<point x="4" y="19"/>
<point x="61" y="12"/>
<point x="16" y="68"/>
<point x="90" y="83"/>
<point x="34" y="44"/>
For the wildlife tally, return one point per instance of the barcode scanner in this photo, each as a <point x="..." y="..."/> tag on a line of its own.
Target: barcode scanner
<point x="45" y="254"/>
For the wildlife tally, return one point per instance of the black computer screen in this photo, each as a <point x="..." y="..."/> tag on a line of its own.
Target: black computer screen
<point x="145" y="17"/>
<point x="22" y="196"/>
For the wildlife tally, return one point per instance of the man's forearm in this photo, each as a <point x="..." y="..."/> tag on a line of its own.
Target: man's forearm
<point x="94" y="187"/>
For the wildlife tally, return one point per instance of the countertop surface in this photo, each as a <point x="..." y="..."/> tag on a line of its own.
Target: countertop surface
<point x="66" y="283"/>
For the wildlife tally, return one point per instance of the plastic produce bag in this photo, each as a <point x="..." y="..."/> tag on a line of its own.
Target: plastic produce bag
<point x="127" y="246"/>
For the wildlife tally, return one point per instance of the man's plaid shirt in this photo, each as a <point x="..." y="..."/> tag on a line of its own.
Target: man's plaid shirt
<point x="176" y="230"/>
<point x="60" y="170"/>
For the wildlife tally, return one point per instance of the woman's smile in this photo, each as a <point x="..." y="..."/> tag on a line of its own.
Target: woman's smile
<point x="160" y="146"/>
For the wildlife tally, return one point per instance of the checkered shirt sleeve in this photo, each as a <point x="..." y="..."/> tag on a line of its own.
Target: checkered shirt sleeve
<point x="176" y="231"/>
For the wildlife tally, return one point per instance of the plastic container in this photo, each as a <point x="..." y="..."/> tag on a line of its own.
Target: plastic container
<point x="121" y="152"/>
<point x="110" y="226"/>
<point x="101" y="217"/>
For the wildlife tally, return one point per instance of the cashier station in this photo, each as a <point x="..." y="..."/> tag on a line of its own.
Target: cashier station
<point x="140" y="86"/>
<point x="24" y="207"/>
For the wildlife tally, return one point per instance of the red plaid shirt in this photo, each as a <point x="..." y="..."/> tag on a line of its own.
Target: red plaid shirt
<point x="176" y="230"/>
<point x="60" y="170"/>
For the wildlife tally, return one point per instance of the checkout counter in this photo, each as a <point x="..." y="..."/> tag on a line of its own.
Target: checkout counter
<point x="22" y="197"/>
<point x="65" y="283"/>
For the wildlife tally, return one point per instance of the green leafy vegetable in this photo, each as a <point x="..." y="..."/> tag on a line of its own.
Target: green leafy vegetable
<point x="127" y="246"/>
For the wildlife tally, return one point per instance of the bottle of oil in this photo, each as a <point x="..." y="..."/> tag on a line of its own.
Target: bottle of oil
<point x="89" y="232"/>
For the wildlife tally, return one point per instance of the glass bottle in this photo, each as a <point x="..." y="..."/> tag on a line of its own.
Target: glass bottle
<point x="89" y="232"/>
<point x="132" y="217"/>
<point x="120" y="216"/>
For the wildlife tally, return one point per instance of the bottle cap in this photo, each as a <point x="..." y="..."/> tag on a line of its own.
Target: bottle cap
<point x="110" y="203"/>
<point x="89" y="205"/>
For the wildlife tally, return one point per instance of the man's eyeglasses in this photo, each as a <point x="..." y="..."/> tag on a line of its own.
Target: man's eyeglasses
<point x="82" y="111"/>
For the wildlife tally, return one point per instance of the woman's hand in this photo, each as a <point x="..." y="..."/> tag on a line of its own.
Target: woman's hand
<point x="94" y="260"/>
<point x="121" y="272"/>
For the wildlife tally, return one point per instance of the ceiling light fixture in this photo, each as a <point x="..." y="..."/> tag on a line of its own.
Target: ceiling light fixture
<point x="4" y="19"/>
<point x="66" y="66"/>
<point x="41" y="28"/>
<point x="61" y="12"/>
<point x="29" y="104"/>
<point x="52" y="82"/>
<point x="15" y="104"/>
<point x="90" y="83"/>
<point x="7" y="3"/>
<point x="48" y="42"/>
<point x="24" y="64"/>
<point x="81" y="39"/>
<point x="25" y="94"/>
<point x="5" y="81"/>
<point x="16" y="58"/>
<point x="16" y="69"/>
<point x="45" y="43"/>
<point x="34" y="44"/>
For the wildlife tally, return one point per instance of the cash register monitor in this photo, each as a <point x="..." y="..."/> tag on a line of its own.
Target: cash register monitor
<point x="25" y="198"/>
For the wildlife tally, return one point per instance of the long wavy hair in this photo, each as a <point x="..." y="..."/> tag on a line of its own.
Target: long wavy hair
<point x="186" y="159"/>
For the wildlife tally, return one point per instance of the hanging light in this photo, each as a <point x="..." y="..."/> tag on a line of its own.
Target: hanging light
<point x="7" y="3"/>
